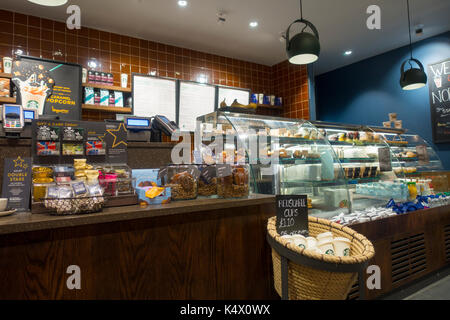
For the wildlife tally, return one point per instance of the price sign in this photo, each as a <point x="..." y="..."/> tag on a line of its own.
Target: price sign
<point x="292" y="214"/>
<point x="223" y="170"/>
<point x="422" y="154"/>
<point x="384" y="157"/>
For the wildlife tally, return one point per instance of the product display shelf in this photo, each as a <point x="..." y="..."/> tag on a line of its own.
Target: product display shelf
<point x="94" y="107"/>
<point x="268" y="106"/>
<point x="107" y="87"/>
<point x="5" y="75"/>
<point x="7" y="100"/>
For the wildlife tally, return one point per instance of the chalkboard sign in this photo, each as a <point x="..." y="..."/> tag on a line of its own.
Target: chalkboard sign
<point x="292" y="214"/>
<point x="50" y="87"/>
<point x="439" y="86"/>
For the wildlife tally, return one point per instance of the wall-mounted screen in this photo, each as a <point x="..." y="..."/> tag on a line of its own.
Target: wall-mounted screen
<point x="195" y="100"/>
<point x="153" y="95"/>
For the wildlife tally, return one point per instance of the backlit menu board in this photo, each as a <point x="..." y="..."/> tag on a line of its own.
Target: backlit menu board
<point x="154" y="96"/>
<point x="230" y="94"/>
<point x="195" y="100"/>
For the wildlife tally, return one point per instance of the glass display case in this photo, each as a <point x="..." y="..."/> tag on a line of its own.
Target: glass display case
<point x="342" y="168"/>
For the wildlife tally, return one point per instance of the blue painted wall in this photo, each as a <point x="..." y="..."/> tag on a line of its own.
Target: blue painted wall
<point x="367" y="91"/>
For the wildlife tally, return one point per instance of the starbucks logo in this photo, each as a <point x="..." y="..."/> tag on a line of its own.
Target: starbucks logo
<point x="32" y="104"/>
<point x="302" y="246"/>
<point x="330" y="252"/>
<point x="346" y="252"/>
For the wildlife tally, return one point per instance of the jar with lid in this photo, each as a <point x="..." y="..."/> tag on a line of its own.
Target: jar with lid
<point x="207" y="182"/>
<point x="182" y="179"/>
<point x="232" y="181"/>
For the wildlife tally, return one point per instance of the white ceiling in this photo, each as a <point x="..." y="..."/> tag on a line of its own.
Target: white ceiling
<point x="341" y="24"/>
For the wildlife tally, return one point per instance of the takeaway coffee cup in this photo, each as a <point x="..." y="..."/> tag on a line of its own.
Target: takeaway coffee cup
<point x="7" y="64"/>
<point x="311" y="242"/>
<point x="3" y="204"/>
<point x="299" y="241"/>
<point x="124" y="80"/>
<point x="326" y="247"/>
<point x="342" y="246"/>
<point x="325" y="236"/>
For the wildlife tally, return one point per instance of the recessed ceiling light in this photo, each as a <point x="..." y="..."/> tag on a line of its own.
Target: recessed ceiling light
<point x="253" y="24"/>
<point x="49" y="3"/>
<point x="182" y="3"/>
<point x="348" y="52"/>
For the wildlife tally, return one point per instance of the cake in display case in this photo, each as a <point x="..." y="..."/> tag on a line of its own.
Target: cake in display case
<point x="341" y="168"/>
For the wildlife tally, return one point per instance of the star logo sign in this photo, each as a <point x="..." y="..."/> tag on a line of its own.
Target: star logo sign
<point x="19" y="162"/>
<point x="116" y="132"/>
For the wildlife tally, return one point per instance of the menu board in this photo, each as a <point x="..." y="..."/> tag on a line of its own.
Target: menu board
<point x="154" y="96"/>
<point x="439" y="86"/>
<point x="195" y="100"/>
<point x="230" y="94"/>
<point x="50" y="87"/>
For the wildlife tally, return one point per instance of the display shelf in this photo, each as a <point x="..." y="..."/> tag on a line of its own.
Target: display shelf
<point x="358" y="160"/>
<point x="93" y="107"/>
<point x="102" y="86"/>
<point x="5" y="75"/>
<point x="268" y="106"/>
<point x="7" y="100"/>
<point x="357" y="144"/>
<point x="380" y="198"/>
<point x="299" y="161"/>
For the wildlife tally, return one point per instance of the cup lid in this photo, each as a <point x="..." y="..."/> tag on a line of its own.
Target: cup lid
<point x="342" y="239"/>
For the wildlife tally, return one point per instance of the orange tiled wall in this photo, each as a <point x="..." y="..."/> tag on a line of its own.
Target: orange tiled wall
<point x="122" y="54"/>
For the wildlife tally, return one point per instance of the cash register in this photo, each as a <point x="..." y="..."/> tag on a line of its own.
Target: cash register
<point x="146" y="129"/>
<point x="16" y="121"/>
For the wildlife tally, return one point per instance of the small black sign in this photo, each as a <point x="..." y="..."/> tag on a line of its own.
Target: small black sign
<point x="223" y="170"/>
<point x="17" y="183"/>
<point x="292" y="214"/>
<point x="208" y="173"/>
<point x="384" y="157"/>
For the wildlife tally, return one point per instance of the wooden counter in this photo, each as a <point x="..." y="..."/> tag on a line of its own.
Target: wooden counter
<point x="200" y="249"/>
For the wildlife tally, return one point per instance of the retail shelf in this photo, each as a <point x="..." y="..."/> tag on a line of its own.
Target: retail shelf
<point x="106" y="109"/>
<point x="268" y="106"/>
<point x="5" y="75"/>
<point x="7" y="100"/>
<point x="101" y="86"/>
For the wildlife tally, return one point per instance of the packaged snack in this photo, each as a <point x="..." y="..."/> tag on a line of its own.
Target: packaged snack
<point x="118" y="96"/>
<point x="112" y="100"/>
<point x="70" y="149"/>
<point x="89" y="95"/>
<point x="95" y="148"/>
<point x="79" y="189"/>
<point x="104" y="97"/>
<point x="96" y="96"/>
<point x="5" y="87"/>
<point x="48" y="133"/>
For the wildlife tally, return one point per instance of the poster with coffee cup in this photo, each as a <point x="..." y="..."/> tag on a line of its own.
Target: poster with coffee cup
<point x="50" y="87"/>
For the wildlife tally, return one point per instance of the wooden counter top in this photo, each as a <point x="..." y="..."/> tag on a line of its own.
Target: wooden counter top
<point x="25" y="222"/>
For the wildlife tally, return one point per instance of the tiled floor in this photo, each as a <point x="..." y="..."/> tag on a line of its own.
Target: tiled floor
<point x="439" y="290"/>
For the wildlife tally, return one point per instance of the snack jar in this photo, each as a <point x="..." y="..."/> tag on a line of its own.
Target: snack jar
<point x="207" y="181"/>
<point x="182" y="179"/>
<point x="232" y="180"/>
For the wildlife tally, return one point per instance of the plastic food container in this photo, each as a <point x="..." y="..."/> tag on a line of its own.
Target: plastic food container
<point x="207" y="182"/>
<point x="234" y="183"/>
<point x="183" y="181"/>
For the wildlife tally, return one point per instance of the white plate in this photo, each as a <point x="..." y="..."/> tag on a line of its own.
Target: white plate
<point x="7" y="213"/>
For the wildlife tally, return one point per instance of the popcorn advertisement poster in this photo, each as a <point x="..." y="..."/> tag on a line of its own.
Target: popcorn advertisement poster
<point x="50" y="87"/>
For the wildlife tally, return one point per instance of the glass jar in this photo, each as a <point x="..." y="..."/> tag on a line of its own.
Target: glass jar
<point x="207" y="182"/>
<point x="183" y="181"/>
<point x="234" y="183"/>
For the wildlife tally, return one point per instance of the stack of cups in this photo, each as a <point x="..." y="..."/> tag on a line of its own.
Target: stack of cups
<point x="325" y="243"/>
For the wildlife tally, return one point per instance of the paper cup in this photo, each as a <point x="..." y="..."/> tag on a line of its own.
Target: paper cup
<point x="342" y="246"/>
<point x="124" y="80"/>
<point x="311" y="242"/>
<point x="288" y="238"/>
<point x="3" y="204"/>
<point x="300" y="241"/>
<point x="392" y="116"/>
<point x="326" y="247"/>
<point x="325" y="236"/>
<point x="387" y="124"/>
<point x="7" y="64"/>
<point x="398" y="124"/>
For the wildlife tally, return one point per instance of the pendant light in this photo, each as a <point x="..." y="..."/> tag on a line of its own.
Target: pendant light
<point x="413" y="78"/>
<point x="49" y="3"/>
<point x="304" y="47"/>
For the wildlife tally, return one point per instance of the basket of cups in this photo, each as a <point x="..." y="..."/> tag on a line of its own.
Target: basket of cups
<point x="322" y="266"/>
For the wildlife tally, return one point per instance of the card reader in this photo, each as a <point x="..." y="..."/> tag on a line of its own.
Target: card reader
<point x="138" y="128"/>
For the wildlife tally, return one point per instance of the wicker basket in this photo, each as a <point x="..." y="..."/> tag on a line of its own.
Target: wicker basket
<point x="317" y="283"/>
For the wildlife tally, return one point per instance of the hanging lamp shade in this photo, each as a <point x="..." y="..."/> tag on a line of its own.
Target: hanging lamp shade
<point x="304" y="47"/>
<point x="413" y="78"/>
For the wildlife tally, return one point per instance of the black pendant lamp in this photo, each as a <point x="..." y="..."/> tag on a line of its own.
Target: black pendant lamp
<point x="304" y="47"/>
<point x="413" y="78"/>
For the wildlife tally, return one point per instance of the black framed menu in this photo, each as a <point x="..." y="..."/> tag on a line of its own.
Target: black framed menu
<point x="154" y="96"/>
<point x="48" y="86"/>
<point x="196" y="99"/>
<point x="439" y="86"/>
